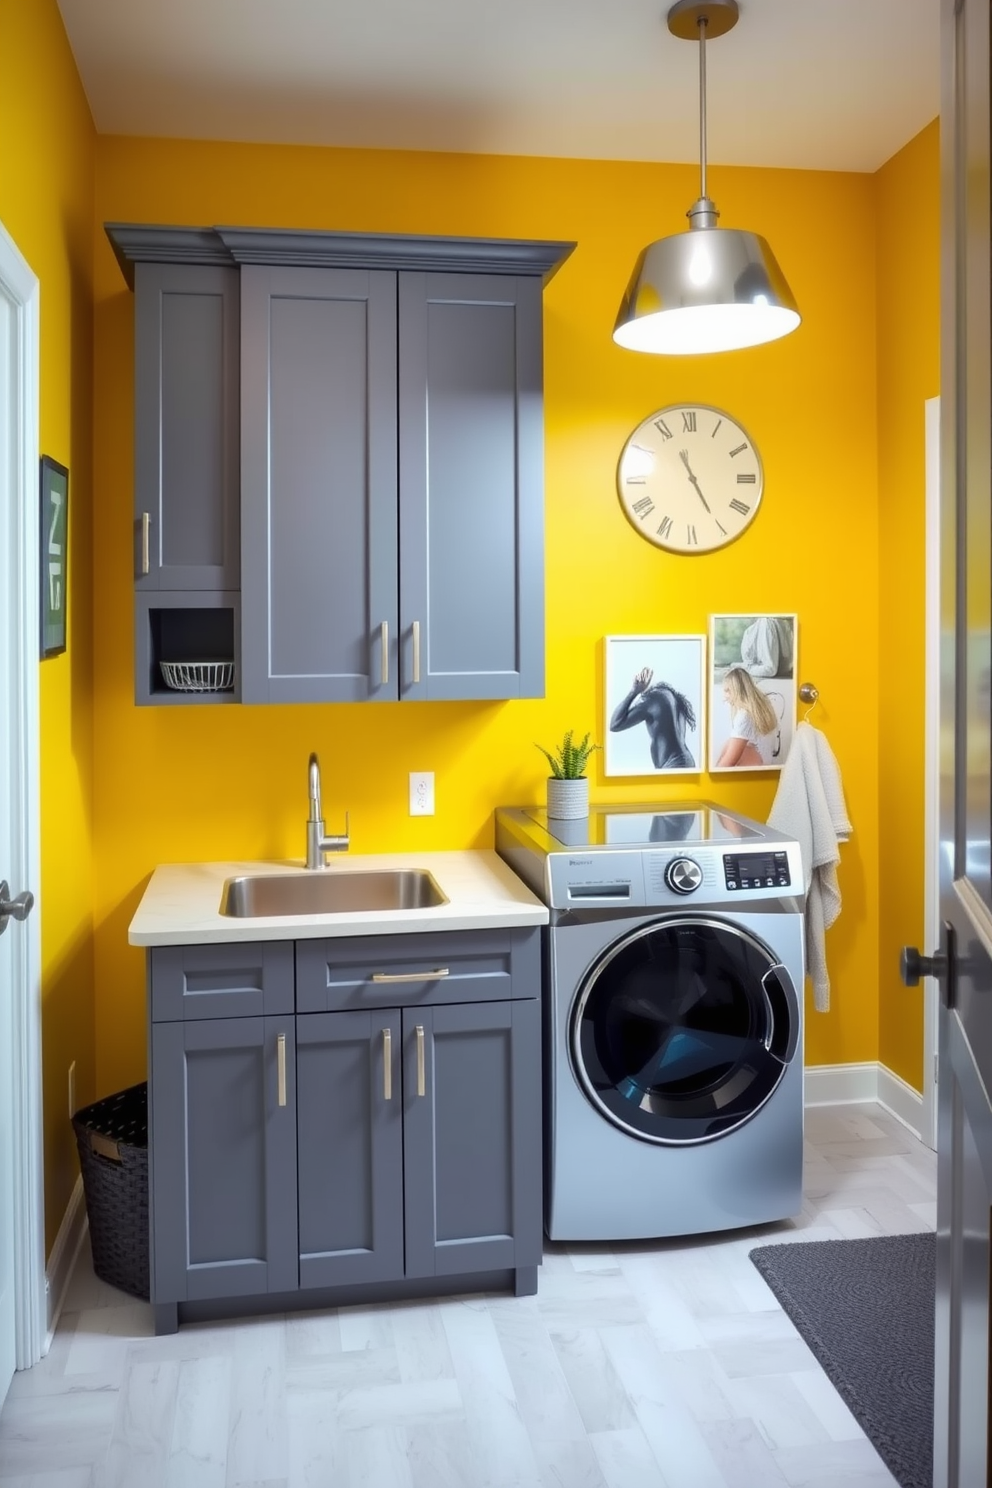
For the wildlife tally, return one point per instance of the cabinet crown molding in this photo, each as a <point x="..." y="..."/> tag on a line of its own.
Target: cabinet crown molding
<point x="135" y="243"/>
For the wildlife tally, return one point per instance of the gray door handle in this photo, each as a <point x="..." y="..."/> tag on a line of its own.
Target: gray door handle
<point x="13" y="909"/>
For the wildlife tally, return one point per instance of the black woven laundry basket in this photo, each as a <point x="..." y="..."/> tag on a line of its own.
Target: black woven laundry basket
<point x="112" y="1138"/>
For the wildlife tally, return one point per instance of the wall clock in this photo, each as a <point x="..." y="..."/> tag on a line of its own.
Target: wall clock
<point x="690" y="478"/>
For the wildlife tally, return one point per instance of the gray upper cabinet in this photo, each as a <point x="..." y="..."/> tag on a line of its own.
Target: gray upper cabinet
<point x="392" y="470"/>
<point x="318" y="386"/>
<point x="186" y="398"/>
<point x="187" y="550"/>
<point x="382" y="396"/>
<point x="471" y="486"/>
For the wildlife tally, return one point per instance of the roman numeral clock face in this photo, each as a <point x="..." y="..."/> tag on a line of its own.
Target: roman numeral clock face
<point x="690" y="478"/>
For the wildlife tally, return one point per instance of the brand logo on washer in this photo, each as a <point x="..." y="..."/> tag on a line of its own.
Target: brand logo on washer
<point x="683" y="876"/>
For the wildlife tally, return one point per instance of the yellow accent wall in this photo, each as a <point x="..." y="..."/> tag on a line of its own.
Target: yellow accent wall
<point x="907" y="270"/>
<point x="47" y="150"/>
<point x="206" y="783"/>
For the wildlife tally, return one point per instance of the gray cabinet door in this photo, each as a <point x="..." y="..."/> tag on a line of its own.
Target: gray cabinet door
<point x="472" y="1150"/>
<point x="471" y="486"/>
<point x="222" y="1148"/>
<point x="318" y="399"/>
<point x="350" y="1147"/>
<point x="187" y="421"/>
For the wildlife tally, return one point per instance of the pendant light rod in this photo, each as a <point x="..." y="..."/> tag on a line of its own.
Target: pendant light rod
<point x="703" y="22"/>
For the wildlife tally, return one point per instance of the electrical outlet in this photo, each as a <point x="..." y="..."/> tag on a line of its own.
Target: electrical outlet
<point x="72" y="1088"/>
<point x="421" y="792"/>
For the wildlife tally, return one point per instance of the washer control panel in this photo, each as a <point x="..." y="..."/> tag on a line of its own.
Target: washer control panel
<point x="756" y="870"/>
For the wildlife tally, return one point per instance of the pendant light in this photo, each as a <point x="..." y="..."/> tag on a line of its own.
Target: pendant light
<point x="711" y="288"/>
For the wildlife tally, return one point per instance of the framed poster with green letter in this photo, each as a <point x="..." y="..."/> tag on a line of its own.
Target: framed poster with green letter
<point x="54" y="552"/>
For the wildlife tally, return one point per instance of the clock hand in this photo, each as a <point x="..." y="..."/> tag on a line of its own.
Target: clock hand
<point x="684" y="456"/>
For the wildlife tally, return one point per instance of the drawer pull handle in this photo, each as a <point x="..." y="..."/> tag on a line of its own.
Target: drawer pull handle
<point x="410" y="976"/>
<point x="416" y="650"/>
<point x="387" y="1064"/>
<point x="421" y="1076"/>
<point x="384" y="642"/>
<point x="281" y="1067"/>
<point x="145" y="544"/>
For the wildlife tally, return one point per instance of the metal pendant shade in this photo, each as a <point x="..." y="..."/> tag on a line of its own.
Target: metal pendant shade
<point x="711" y="288"/>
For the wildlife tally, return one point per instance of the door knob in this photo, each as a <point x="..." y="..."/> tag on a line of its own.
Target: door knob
<point x="13" y="909"/>
<point x="943" y="966"/>
<point x="913" y="967"/>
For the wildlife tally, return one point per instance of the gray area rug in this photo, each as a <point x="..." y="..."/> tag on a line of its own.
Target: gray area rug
<point x="865" y="1307"/>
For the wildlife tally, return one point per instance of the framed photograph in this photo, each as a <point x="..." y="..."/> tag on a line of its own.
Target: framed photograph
<point x="655" y="705"/>
<point x="54" y="548"/>
<point x="752" y="691"/>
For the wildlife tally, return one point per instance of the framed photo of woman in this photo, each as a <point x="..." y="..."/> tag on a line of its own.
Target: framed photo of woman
<point x="655" y="705"/>
<point x="752" y="691"/>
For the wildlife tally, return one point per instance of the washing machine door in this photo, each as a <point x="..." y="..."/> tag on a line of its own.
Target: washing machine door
<point x="683" y="1028"/>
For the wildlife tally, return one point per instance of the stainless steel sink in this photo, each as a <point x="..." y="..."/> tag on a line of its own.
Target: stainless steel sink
<point x="330" y="892"/>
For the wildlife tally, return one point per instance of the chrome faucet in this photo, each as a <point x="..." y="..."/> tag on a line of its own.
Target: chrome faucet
<point x="317" y="843"/>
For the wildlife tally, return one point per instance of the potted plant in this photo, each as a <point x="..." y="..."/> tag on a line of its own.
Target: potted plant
<point x="568" y="788"/>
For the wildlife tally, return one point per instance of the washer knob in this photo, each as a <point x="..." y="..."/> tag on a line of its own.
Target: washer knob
<point x="683" y="876"/>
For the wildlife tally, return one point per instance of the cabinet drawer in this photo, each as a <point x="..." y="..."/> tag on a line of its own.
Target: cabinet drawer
<point x="221" y="981"/>
<point x="406" y="970"/>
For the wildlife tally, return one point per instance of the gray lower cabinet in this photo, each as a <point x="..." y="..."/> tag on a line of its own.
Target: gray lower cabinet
<point x="386" y="1143"/>
<point x="472" y="1123"/>
<point x="223" y="1128"/>
<point x="350" y="1153"/>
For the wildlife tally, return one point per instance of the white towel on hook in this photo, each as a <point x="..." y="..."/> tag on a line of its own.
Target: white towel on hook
<point x="809" y="805"/>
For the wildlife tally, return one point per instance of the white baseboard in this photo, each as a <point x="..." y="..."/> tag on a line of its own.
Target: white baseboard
<point x="58" y="1272"/>
<point x="850" y="1084"/>
<point x="839" y="1084"/>
<point x="901" y="1100"/>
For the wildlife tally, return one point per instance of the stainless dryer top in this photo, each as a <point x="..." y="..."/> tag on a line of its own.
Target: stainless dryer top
<point x="644" y="825"/>
<point x="648" y="853"/>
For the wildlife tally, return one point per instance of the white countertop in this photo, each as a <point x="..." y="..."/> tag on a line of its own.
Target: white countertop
<point x="181" y="905"/>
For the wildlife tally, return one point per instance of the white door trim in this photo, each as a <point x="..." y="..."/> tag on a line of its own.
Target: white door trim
<point x="931" y="766"/>
<point x="20" y="287"/>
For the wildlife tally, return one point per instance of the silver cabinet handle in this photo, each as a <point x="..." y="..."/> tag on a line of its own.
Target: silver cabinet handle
<point x="421" y="1076"/>
<point x="410" y="976"/>
<point x="384" y="641"/>
<point x="14" y="909"/>
<point x="387" y="1064"/>
<point x="281" y="1067"/>
<point x="416" y="650"/>
<point x="145" y="544"/>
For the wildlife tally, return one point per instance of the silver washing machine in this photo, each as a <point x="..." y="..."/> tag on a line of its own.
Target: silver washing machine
<point x="672" y="1017"/>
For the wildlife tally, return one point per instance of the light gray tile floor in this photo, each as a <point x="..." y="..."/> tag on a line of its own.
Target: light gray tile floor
<point x="664" y="1365"/>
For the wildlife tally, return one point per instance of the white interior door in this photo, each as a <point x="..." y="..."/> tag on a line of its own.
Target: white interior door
<point x="23" y="1319"/>
<point x="8" y="1322"/>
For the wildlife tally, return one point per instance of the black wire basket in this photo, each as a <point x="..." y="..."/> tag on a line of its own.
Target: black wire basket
<point x="112" y="1140"/>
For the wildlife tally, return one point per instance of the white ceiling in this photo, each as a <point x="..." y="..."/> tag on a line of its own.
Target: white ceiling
<point x="833" y="85"/>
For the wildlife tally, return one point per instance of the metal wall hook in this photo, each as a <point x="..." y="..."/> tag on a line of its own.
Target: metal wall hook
<point x="808" y="694"/>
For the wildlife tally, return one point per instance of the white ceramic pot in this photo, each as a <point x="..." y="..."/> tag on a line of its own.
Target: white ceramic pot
<point x="568" y="799"/>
